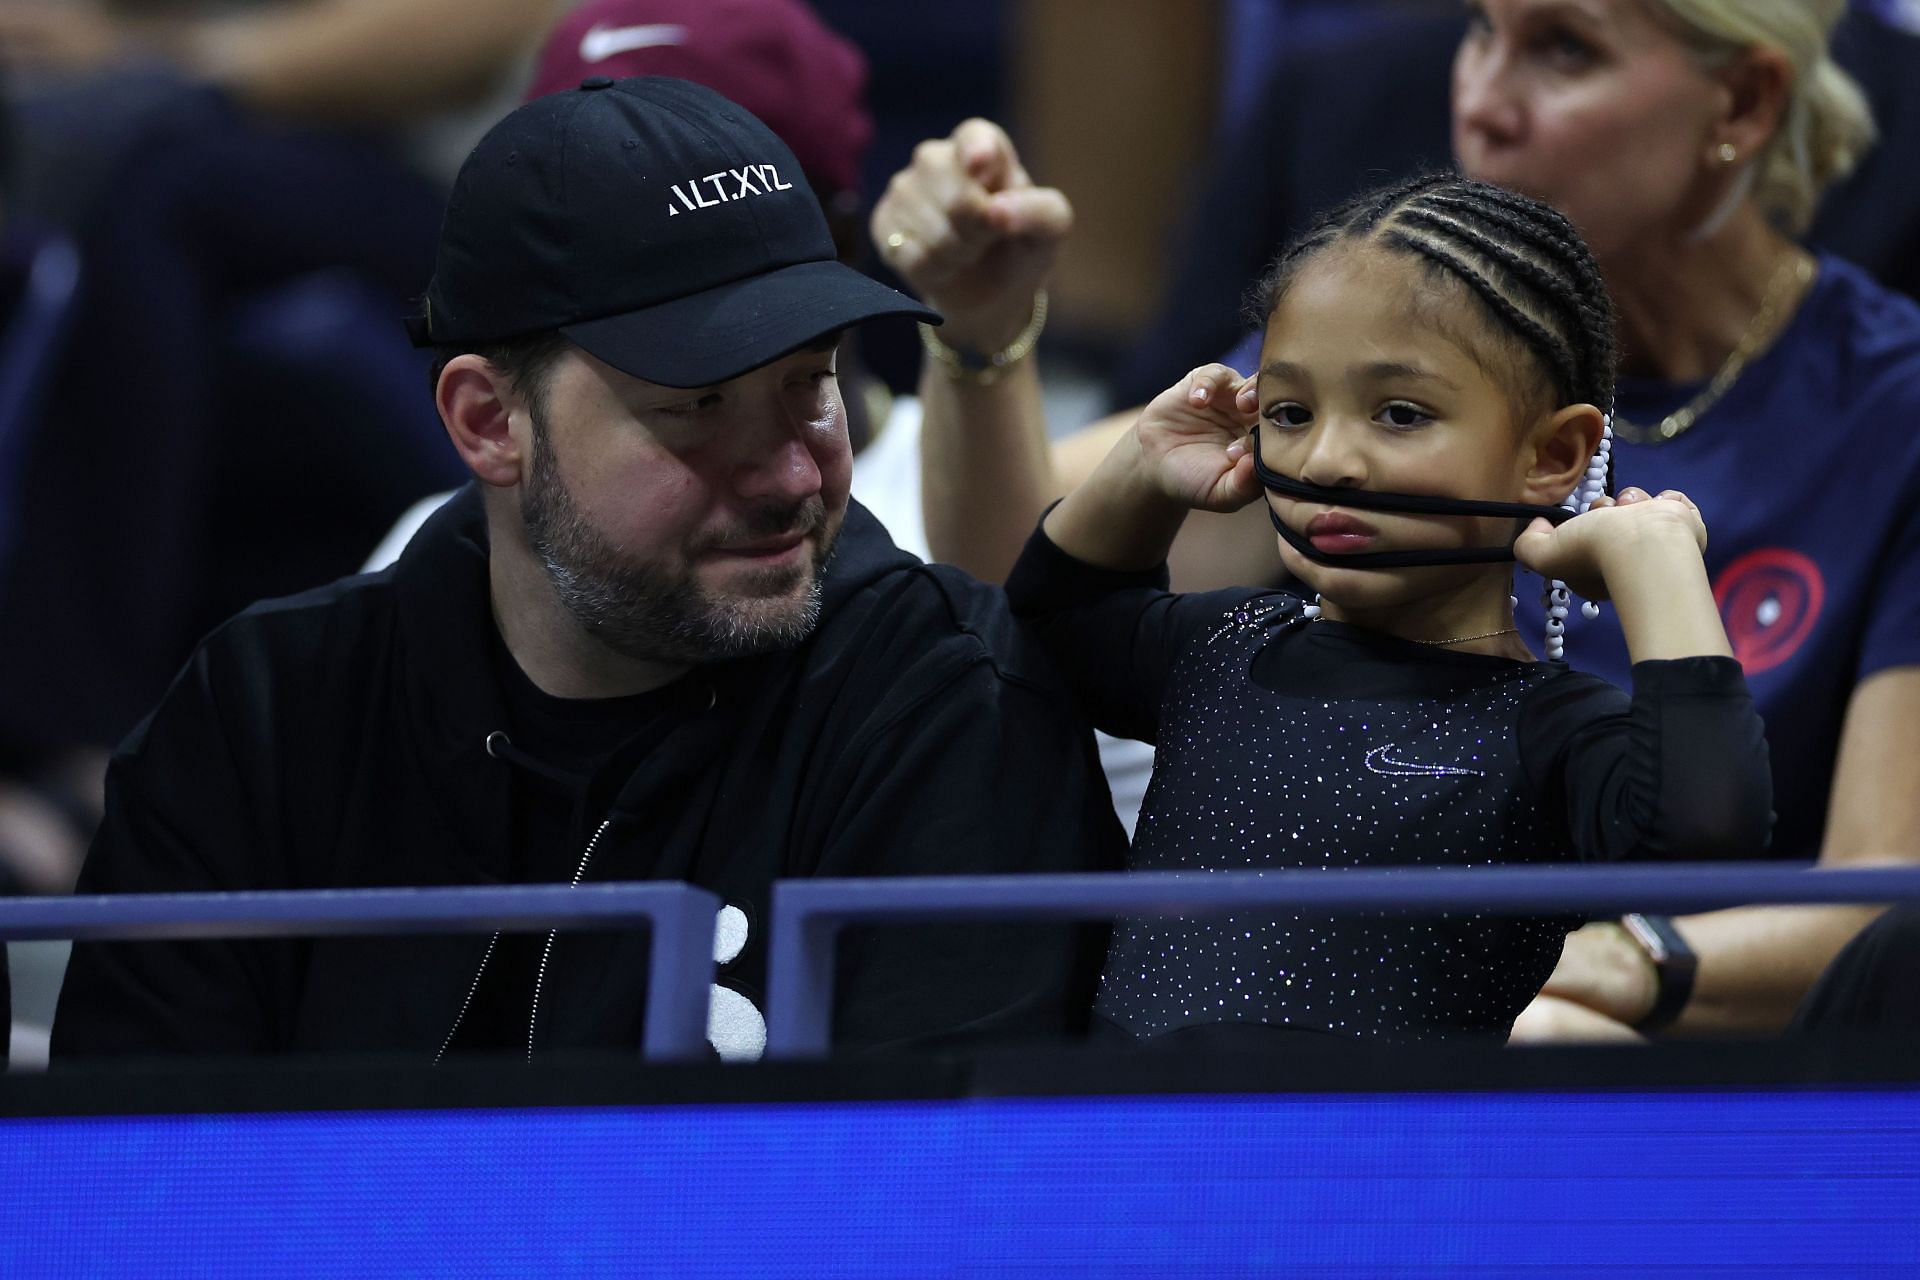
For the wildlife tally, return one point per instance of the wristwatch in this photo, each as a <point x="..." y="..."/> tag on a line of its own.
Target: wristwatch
<point x="1674" y="965"/>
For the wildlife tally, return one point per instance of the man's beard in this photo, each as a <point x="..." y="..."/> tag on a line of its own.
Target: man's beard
<point x="645" y="610"/>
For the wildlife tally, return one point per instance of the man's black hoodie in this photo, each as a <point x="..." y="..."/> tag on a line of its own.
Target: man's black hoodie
<point x="340" y="738"/>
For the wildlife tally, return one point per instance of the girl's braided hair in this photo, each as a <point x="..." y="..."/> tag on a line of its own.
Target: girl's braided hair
<point x="1534" y="278"/>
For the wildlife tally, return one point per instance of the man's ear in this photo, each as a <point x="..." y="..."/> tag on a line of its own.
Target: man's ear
<point x="477" y="403"/>
<point x="1559" y="451"/>
<point x="1756" y="86"/>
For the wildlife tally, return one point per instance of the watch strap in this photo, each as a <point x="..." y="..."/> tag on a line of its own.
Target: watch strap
<point x="1674" y="966"/>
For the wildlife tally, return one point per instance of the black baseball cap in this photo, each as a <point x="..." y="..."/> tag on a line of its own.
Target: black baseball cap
<point x="652" y="222"/>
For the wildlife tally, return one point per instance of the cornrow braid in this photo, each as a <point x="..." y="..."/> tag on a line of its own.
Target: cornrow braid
<point x="1547" y="248"/>
<point x="1541" y="274"/>
<point x="1550" y="347"/>
<point x="1355" y="218"/>
<point x="1586" y="290"/>
<point x="1532" y="275"/>
<point x="1561" y="247"/>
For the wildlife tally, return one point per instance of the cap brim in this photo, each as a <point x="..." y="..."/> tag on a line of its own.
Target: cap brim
<point x="725" y="331"/>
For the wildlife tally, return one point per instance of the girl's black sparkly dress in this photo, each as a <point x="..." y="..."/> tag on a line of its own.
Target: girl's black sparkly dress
<point x="1284" y="743"/>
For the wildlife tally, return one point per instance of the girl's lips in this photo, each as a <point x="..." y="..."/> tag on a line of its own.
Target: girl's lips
<point x="1335" y="533"/>
<point x="1334" y="544"/>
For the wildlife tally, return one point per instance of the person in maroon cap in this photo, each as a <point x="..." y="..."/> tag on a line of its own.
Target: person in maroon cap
<point x="773" y="57"/>
<point x="655" y="639"/>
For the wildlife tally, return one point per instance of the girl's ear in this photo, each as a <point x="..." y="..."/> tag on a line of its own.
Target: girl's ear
<point x="1558" y="452"/>
<point x="476" y="403"/>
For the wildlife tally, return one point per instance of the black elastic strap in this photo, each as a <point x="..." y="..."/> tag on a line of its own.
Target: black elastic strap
<point x="1402" y="503"/>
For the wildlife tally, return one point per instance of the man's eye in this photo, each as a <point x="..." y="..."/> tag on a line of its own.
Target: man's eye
<point x="1399" y="413"/>
<point x="689" y="408"/>
<point x="1289" y="415"/>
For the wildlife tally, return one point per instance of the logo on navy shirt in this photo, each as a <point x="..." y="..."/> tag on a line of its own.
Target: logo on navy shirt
<point x="1769" y="600"/>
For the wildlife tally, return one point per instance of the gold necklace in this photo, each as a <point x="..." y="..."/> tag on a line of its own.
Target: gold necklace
<point x="1798" y="268"/>
<point x="1484" y="635"/>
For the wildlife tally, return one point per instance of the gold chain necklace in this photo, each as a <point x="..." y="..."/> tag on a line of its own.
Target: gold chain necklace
<point x="1484" y="635"/>
<point x="1798" y="269"/>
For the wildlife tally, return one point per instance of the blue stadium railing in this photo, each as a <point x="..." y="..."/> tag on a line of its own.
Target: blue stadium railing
<point x="807" y="915"/>
<point x="679" y="918"/>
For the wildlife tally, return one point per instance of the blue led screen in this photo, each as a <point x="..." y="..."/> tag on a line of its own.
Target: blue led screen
<point x="1769" y="1182"/>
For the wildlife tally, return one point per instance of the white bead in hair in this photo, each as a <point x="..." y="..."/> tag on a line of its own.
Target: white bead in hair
<point x="1591" y="486"/>
<point x="1556" y="602"/>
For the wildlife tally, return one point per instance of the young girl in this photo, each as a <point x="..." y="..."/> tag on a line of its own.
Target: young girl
<point x="1437" y="362"/>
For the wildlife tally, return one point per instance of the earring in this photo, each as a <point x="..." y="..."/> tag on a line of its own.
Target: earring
<point x="1728" y="153"/>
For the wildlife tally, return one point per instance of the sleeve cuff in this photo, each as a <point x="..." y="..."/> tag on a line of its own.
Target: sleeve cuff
<point x="1708" y="675"/>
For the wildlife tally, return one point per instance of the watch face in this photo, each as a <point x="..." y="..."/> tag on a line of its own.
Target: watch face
<point x="1662" y="942"/>
<point x="1649" y="939"/>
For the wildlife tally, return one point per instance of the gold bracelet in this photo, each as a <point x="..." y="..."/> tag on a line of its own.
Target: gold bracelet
<point x="968" y="366"/>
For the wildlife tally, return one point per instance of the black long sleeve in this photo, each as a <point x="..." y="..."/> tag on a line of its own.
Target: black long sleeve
<point x="1679" y="770"/>
<point x="1116" y="635"/>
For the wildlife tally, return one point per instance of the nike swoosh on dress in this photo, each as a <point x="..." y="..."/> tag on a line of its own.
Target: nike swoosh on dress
<point x="1378" y="761"/>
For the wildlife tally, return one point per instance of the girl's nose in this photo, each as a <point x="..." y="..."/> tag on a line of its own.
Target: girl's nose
<point x="1335" y="457"/>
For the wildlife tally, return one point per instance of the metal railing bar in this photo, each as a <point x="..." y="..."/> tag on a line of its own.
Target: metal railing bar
<point x="679" y="919"/>
<point x="807" y="915"/>
<point x="1588" y="889"/>
<point x="333" y="912"/>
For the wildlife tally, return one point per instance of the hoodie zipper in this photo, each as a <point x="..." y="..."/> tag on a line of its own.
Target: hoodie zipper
<point x="546" y="952"/>
<point x="466" y="1004"/>
<point x="540" y="977"/>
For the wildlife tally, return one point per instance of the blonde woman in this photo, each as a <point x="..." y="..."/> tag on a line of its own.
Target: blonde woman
<point x="1690" y="141"/>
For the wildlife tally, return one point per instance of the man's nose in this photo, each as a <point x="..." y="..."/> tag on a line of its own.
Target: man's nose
<point x="777" y="461"/>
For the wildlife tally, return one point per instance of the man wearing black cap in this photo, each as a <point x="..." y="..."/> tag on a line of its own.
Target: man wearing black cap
<point x="654" y="641"/>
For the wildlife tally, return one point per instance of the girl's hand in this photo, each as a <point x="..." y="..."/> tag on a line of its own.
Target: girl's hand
<point x="1614" y="536"/>
<point x="1193" y="441"/>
